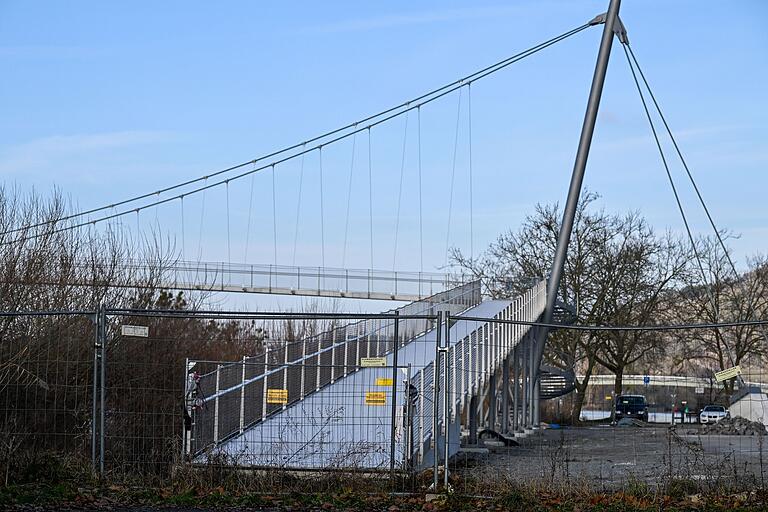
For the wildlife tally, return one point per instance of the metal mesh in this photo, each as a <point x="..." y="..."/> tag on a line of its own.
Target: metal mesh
<point x="46" y="390"/>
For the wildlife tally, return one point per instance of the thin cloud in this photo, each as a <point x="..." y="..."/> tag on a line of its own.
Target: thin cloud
<point x="639" y="141"/>
<point x="419" y="18"/>
<point x="51" y="52"/>
<point x="48" y="152"/>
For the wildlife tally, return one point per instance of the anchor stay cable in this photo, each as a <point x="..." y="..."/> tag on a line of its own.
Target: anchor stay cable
<point x="634" y="64"/>
<point x="678" y="201"/>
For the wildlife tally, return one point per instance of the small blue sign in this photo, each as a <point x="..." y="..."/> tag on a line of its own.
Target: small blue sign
<point x="646" y="380"/>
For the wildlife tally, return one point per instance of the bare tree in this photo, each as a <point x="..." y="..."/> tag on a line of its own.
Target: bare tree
<point x="618" y="271"/>
<point x="718" y="295"/>
<point x="644" y="270"/>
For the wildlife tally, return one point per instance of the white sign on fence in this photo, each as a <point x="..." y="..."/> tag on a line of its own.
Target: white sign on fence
<point x="699" y="391"/>
<point x="134" y="330"/>
<point x="728" y="373"/>
<point x="373" y="361"/>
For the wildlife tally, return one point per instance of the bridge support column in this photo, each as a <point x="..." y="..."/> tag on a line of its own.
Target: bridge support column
<point x="524" y="359"/>
<point x="473" y="419"/>
<point x="532" y="375"/>
<point x="492" y="401"/>
<point x="505" y="396"/>
<point x="537" y="402"/>
<point x="516" y="388"/>
<point x="577" y="176"/>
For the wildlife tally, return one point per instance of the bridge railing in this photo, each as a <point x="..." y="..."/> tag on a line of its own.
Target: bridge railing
<point x="301" y="280"/>
<point x="464" y="370"/>
<point x="237" y="395"/>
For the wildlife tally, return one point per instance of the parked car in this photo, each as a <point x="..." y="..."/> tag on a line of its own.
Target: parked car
<point x="631" y="406"/>
<point x="713" y="414"/>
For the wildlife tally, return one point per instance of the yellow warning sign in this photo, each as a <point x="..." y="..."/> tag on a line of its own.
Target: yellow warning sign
<point x="375" y="398"/>
<point x="383" y="381"/>
<point x="277" y="396"/>
<point x="373" y="361"/>
<point x="728" y="373"/>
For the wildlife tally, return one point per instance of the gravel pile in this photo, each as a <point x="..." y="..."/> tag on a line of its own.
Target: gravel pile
<point x="630" y="422"/>
<point x="737" y="426"/>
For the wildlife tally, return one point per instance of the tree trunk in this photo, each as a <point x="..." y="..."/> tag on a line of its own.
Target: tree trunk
<point x="578" y="404"/>
<point x="619" y="382"/>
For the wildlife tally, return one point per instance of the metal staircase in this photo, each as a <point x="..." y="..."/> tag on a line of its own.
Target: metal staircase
<point x="556" y="382"/>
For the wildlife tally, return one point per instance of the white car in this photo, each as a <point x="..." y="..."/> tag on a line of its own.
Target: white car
<point x="713" y="414"/>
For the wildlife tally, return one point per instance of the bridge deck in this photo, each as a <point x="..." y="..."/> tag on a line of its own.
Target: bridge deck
<point x="291" y="280"/>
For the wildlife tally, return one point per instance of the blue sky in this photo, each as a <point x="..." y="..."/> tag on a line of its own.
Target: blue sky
<point x="106" y="100"/>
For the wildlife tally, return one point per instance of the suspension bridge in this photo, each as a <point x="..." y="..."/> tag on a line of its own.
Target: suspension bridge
<point x="488" y="363"/>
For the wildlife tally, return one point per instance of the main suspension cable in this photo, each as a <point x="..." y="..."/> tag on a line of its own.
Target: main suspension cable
<point x="368" y="122"/>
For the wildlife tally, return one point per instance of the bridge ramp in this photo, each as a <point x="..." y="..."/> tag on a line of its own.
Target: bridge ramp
<point x="348" y="423"/>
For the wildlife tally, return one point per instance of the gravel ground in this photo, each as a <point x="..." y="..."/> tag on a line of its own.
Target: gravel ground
<point x="607" y="456"/>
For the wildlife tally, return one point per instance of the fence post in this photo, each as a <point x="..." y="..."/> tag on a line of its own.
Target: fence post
<point x="421" y="416"/>
<point x="285" y="370"/>
<point x="186" y="435"/>
<point x="242" y="398"/>
<point x="408" y="425"/>
<point x="436" y="400"/>
<point x="102" y="329"/>
<point x="216" y="407"/>
<point x="94" y="411"/>
<point x="346" y="352"/>
<point x="264" y="385"/>
<point x="446" y="397"/>
<point x="393" y="423"/>
<point x="303" y="367"/>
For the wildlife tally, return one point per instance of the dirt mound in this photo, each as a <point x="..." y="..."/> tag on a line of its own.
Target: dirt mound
<point x="737" y="426"/>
